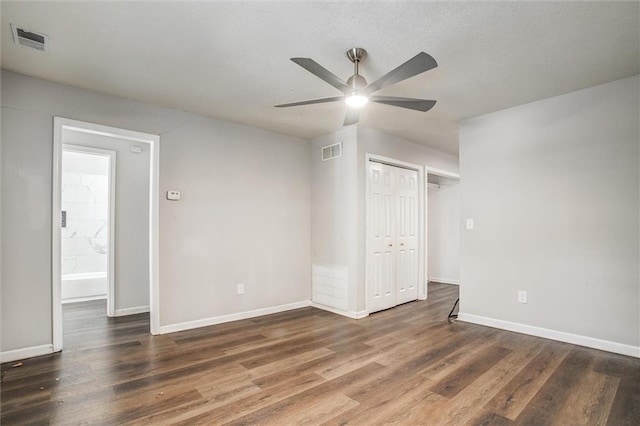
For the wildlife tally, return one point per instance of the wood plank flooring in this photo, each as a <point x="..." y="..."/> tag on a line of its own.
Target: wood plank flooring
<point x="406" y="365"/>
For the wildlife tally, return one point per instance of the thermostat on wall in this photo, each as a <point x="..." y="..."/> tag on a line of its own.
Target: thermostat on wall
<point x="173" y="195"/>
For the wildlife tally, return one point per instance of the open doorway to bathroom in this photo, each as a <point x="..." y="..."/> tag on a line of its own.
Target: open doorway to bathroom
<point x="105" y="237"/>
<point x="87" y="225"/>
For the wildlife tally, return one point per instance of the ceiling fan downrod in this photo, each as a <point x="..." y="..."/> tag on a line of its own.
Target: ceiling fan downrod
<point x="356" y="81"/>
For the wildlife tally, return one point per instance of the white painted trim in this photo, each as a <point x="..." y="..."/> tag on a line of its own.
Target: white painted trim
<point x="111" y="270"/>
<point x="349" y="314"/>
<point x="172" y="328"/>
<point x="422" y="243"/>
<point x="425" y="295"/>
<point x="392" y="162"/>
<point x="445" y="280"/>
<point x="440" y="172"/>
<point x="153" y="140"/>
<point x="97" y="129"/>
<point x="359" y="314"/>
<point x="56" y="239"/>
<point x="154" y="234"/>
<point x="82" y="299"/>
<point x="576" y="339"/>
<point x="131" y="311"/>
<point x="18" y="354"/>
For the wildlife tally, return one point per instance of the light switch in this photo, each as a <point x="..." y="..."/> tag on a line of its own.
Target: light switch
<point x="469" y="223"/>
<point x="173" y="195"/>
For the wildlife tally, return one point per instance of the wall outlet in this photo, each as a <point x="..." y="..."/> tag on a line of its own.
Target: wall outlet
<point x="240" y="288"/>
<point x="522" y="296"/>
<point x="469" y="223"/>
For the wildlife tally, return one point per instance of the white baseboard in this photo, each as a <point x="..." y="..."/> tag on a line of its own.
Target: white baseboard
<point x="350" y="314"/>
<point x="131" y="311"/>
<point x="172" y="328"/>
<point x="360" y="314"/>
<point x="444" y="280"/>
<point x="23" y="353"/>
<point x="546" y="333"/>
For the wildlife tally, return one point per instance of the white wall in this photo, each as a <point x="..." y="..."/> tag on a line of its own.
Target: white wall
<point x="244" y="217"/>
<point x="334" y="207"/>
<point x="338" y="198"/>
<point x="26" y="226"/>
<point x="443" y="232"/>
<point x="371" y="141"/>
<point x="553" y="188"/>
<point x="131" y="217"/>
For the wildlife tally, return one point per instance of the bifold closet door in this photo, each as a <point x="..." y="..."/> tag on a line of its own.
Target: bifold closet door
<point x="392" y="228"/>
<point x="406" y="235"/>
<point x="380" y="259"/>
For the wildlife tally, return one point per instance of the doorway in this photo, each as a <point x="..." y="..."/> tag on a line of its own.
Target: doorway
<point x="443" y="227"/>
<point x="87" y="225"/>
<point x="394" y="233"/>
<point x="132" y="253"/>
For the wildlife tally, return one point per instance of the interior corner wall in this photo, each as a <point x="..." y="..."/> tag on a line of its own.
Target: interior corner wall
<point x="244" y="215"/>
<point x="554" y="192"/>
<point x="443" y="232"/>
<point x="334" y="208"/>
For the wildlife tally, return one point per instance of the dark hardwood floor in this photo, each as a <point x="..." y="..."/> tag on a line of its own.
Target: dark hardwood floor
<point x="406" y="365"/>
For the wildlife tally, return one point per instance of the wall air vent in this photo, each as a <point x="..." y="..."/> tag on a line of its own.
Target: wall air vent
<point x="330" y="152"/>
<point x="26" y="38"/>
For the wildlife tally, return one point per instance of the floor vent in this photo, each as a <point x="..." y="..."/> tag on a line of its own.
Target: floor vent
<point x="330" y="152"/>
<point x="29" y="39"/>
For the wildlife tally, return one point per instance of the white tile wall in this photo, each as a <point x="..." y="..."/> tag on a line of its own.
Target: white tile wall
<point x="85" y="199"/>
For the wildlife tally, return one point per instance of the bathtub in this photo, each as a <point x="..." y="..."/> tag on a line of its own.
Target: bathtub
<point x="91" y="285"/>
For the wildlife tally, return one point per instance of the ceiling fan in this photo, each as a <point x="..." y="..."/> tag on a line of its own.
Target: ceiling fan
<point x="356" y="91"/>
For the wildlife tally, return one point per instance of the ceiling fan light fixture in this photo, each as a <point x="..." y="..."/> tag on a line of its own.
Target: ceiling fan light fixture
<point x="357" y="93"/>
<point x="356" y="100"/>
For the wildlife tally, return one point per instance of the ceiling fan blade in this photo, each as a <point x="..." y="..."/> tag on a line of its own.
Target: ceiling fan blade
<point x="352" y="116"/>
<point x="322" y="73"/>
<point x="312" y="101"/>
<point x="409" y="103"/>
<point x="417" y="65"/>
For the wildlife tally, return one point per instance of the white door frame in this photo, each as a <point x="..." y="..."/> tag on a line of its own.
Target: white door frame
<point x="111" y="155"/>
<point x="153" y="140"/>
<point x="422" y="289"/>
<point x="438" y="172"/>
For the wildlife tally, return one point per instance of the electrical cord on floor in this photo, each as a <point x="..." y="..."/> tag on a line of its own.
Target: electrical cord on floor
<point x="453" y="317"/>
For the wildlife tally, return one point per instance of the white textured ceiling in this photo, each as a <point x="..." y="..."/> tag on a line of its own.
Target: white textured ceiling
<point x="231" y="60"/>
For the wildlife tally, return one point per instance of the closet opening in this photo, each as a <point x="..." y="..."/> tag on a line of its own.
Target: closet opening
<point x="394" y="233"/>
<point x="443" y="227"/>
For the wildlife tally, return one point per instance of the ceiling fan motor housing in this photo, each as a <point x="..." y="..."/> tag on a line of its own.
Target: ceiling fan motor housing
<point x="357" y="82"/>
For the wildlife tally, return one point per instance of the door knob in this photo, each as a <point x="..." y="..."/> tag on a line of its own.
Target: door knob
<point x="401" y="244"/>
<point x="390" y="245"/>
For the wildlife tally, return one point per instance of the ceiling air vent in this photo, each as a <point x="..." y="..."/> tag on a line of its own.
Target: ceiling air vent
<point x="26" y="38"/>
<point x="330" y="152"/>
